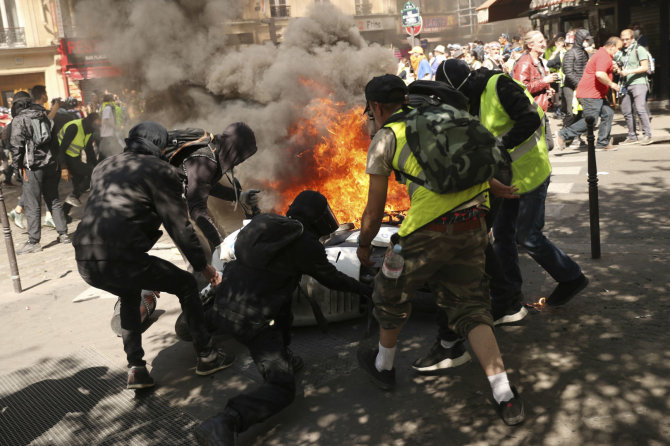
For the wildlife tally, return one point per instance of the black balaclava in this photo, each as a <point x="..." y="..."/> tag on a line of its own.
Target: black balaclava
<point x="20" y="102"/>
<point x="312" y="210"/>
<point x="234" y="145"/>
<point x="148" y="138"/>
<point x="455" y="73"/>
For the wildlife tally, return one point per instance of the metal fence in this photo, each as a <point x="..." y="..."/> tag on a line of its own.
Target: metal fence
<point x="12" y="37"/>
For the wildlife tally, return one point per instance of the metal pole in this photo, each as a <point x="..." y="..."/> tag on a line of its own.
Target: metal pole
<point x="594" y="211"/>
<point x="13" y="266"/>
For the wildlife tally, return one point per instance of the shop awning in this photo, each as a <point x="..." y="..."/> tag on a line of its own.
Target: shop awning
<point x="78" y="73"/>
<point x="541" y="4"/>
<point x="497" y="10"/>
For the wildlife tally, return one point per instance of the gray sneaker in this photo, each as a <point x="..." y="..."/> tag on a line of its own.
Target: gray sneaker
<point x="63" y="238"/>
<point x="628" y="141"/>
<point x="29" y="248"/>
<point x="73" y="201"/>
<point x="646" y="141"/>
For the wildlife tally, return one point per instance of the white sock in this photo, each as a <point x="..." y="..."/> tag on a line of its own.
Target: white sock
<point x="385" y="358"/>
<point x="501" y="388"/>
<point x="448" y="344"/>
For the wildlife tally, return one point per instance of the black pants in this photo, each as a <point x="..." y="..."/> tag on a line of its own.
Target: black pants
<point x="81" y="175"/>
<point x="268" y="349"/>
<point x="126" y="279"/>
<point x="38" y="184"/>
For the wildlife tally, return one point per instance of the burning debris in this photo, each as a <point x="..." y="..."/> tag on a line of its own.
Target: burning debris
<point x="540" y="305"/>
<point x="176" y="52"/>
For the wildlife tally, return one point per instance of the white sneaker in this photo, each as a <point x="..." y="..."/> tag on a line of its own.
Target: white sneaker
<point x="17" y="218"/>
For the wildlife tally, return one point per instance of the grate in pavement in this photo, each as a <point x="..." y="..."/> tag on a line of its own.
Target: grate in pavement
<point x="81" y="401"/>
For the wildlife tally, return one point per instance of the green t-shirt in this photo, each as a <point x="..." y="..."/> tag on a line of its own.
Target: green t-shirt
<point x="630" y="59"/>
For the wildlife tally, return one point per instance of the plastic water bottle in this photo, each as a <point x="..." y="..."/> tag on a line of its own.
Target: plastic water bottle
<point x="393" y="263"/>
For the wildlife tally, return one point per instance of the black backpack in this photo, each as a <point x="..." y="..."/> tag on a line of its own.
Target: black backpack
<point x="182" y="143"/>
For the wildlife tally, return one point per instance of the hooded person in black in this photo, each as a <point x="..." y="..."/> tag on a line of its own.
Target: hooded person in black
<point x="132" y="194"/>
<point x="33" y="156"/>
<point x="253" y="304"/>
<point x="205" y="167"/>
<point x="574" y="63"/>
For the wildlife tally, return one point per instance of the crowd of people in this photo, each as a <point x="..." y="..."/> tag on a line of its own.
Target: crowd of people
<point x="553" y="70"/>
<point x="462" y="241"/>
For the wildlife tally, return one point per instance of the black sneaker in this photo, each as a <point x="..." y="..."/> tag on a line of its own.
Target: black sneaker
<point x="512" y="411"/>
<point x="221" y="361"/>
<point x="216" y="431"/>
<point x="63" y="238"/>
<point x="29" y="248"/>
<point x="139" y="378"/>
<point x="565" y="291"/>
<point x="439" y="358"/>
<point x="296" y="361"/>
<point x="507" y="315"/>
<point x="385" y="379"/>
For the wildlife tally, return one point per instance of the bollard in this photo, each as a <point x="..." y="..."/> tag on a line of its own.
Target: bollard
<point x="13" y="266"/>
<point x="594" y="211"/>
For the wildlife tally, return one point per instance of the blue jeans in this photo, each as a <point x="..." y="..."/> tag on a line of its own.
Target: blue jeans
<point x="522" y="221"/>
<point x="595" y="108"/>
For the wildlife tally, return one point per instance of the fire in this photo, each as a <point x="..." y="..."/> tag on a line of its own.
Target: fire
<point x="334" y="164"/>
<point x="540" y="305"/>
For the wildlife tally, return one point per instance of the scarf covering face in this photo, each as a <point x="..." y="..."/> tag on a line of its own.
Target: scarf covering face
<point x="148" y="138"/>
<point x="235" y="144"/>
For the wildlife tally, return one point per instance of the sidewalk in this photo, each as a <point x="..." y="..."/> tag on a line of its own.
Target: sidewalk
<point x="594" y="372"/>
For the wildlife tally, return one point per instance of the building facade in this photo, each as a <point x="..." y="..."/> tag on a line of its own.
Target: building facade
<point x="28" y="49"/>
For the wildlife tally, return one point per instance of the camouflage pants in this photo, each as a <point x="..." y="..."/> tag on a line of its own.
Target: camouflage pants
<point x="453" y="266"/>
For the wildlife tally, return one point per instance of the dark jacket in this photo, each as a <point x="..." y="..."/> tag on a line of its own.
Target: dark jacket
<point x="514" y="101"/>
<point x="25" y="154"/>
<point x="575" y="60"/>
<point x="260" y="291"/>
<point x="132" y="194"/>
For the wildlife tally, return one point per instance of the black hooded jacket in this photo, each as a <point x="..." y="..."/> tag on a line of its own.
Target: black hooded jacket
<point x="575" y="59"/>
<point x="132" y="194"/>
<point x="25" y="153"/>
<point x="513" y="99"/>
<point x="259" y="285"/>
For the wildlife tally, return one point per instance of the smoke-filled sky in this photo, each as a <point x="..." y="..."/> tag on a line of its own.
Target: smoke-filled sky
<point x="179" y="46"/>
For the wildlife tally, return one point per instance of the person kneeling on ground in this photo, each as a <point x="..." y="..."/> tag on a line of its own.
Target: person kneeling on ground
<point x="132" y="194"/>
<point x="253" y="303"/>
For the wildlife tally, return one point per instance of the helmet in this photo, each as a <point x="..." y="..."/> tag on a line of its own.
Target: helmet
<point x="312" y="210"/>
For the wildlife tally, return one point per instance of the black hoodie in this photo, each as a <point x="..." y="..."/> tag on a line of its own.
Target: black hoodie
<point x="132" y="194"/>
<point x="575" y="59"/>
<point x="25" y="153"/>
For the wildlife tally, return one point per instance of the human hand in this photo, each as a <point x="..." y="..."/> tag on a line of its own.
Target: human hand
<point x="363" y="254"/>
<point x="212" y="275"/>
<point x="65" y="175"/>
<point x="500" y="190"/>
<point x="614" y="87"/>
<point x="250" y="197"/>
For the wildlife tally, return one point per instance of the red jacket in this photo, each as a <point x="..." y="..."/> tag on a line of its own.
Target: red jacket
<point x="530" y="75"/>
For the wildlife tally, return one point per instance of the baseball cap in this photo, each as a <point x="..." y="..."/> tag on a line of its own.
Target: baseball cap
<point x="416" y="50"/>
<point x="386" y="89"/>
<point x="505" y="35"/>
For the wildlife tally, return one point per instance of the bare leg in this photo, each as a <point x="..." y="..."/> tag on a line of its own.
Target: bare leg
<point x="485" y="347"/>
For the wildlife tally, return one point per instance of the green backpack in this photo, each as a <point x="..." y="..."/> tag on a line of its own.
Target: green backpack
<point x="455" y="151"/>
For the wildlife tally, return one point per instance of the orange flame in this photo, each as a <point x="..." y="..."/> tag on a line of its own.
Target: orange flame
<point x="334" y="164"/>
<point x="540" y="305"/>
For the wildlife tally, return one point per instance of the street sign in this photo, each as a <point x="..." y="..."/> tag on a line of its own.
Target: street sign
<point x="410" y="15"/>
<point x="414" y="30"/>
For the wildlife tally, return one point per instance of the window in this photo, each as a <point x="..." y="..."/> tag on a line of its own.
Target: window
<point x="11" y="25"/>
<point x="280" y="8"/>
<point x="363" y="7"/>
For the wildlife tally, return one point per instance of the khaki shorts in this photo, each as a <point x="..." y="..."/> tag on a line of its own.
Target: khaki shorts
<point x="452" y="264"/>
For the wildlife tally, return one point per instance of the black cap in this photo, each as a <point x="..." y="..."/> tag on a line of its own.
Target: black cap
<point x="386" y="89"/>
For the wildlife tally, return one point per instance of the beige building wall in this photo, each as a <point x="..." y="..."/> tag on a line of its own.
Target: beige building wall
<point x="21" y="67"/>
